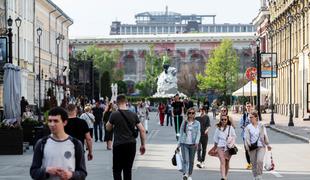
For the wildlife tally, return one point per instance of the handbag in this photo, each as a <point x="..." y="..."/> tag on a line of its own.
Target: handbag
<point x="174" y="159"/>
<point x="133" y="129"/>
<point x="231" y="150"/>
<point x="254" y="146"/>
<point x="213" y="151"/>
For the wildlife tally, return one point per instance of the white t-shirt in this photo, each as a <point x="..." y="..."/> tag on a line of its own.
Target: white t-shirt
<point x="59" y="154"/>
<point x="254" y="134"/>
<point x="220" y="136"/>
<point x="189" y="129"/>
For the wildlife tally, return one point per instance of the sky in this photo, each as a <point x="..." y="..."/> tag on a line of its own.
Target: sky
<point x="94" y="17"/>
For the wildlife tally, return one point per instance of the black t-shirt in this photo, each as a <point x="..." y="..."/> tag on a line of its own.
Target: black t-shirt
<point x="77" y="128"/>
<point x="98" y="113"/>
<point x="122" y="133"/>
<point x="177" y="107"/>
<point x="204" y="123"/>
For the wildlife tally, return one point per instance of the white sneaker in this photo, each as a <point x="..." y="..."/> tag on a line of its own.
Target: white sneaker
<point x="203" y="165"/>
<point x="189" y="178"/>
<point x="199" y="165"/>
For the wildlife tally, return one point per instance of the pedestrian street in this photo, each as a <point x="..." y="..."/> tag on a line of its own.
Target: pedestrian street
<point x="291" y="158"/>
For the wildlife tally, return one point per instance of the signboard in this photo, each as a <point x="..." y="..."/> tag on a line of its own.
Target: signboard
<point x="250" y="73"/>
<point x="268" y="65"/>
<point x="3" y="49"/>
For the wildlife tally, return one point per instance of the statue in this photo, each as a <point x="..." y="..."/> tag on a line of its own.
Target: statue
<point x="167" y="81"/>
<point x="114" y="92"/>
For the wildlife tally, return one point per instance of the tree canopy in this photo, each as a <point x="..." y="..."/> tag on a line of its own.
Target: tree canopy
<point x="221" y="71"/>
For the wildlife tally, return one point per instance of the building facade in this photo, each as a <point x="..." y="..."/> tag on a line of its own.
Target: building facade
<point x="188" y="52"/>
<point x="53" y="21"/>
<point x="175" y="23"/>
<point x="287" y="29"/>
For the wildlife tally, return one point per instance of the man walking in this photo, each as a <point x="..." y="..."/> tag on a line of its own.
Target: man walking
<point x="124" y="122"/>
<point x="204" y="129"/>
<point x="78" y="128"/>
<point x="244" y="121"/>
<point x="58" y="156"/>
<point x="177" y="114"/>
<point x="98" y="113"/>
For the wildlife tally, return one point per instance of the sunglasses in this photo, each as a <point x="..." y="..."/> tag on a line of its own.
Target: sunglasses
<point x="191" y="113"/>
<point x="223" y="119"/>
<point x="223" y="110"/>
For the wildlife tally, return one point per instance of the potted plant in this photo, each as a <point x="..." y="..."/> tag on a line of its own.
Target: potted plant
<point x="28" y="126"/>
<point x="11" y="138"/>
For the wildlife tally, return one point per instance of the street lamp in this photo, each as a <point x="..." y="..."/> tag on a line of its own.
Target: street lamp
<point x="271" y="33"/>
<point x="290" y="20"/>
<point x="39" y="33"/>
<point x="258" y="64"/>
<point x="84" y="55"/>
<point x="18" y="23"/>
<point x="10" y="35"/>
<point x="58" y="39"/>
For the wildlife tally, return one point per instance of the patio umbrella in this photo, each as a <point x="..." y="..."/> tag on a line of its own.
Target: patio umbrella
<point x="246" y="90"/>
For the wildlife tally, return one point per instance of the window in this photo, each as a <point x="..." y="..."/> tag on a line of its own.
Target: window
<point x="218" y="28"/>
<point x="237" y="28"/>
<point x="140" y="30"/>
<point x="231" y="29"/>
<point x="224" y="29"/>
<point x="166" y="29"/>
<point x="159" y="29"/>
<point x="243" y="29"/>
<point x="134" y="30"/>
<point x="211" y="28"/>
<point x="127" y="30"/>
<point x="205" y="29"/>
<point x="146" y="30"/>
<point x="153" y="29"/>
<point x="172" y="29"/>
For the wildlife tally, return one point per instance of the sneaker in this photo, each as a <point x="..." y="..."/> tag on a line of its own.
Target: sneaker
<point x="199" y="165"/>
<point x="202" y="164"/>
<point x="249" y="166"/>
<point x="184" y="177"/>
<point x="189" y="178"/>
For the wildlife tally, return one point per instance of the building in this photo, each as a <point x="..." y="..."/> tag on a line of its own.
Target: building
<point x="286" y="25"/>
<point x="54" y="23"/>
<point x="188" y="52"/>
<point x="175" y="23"/>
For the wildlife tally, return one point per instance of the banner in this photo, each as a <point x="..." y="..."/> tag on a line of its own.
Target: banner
<point x="268" y="65"/>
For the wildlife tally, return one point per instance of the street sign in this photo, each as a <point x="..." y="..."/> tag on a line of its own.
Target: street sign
<point x="250" y="73"/>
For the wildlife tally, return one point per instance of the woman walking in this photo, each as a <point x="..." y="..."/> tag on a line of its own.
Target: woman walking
<point x="188" y="141"/>
<point x="161" y="112"/>
<point x="89" y="118"/>
<point x="224" y="137"/>
<point x="108" y="135"/>
<point x="256" y="141"/>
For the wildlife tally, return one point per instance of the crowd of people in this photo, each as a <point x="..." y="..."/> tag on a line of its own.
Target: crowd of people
<point x="118" y="123"/>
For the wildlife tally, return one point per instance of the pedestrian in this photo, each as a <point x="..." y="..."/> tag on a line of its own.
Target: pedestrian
<point x="161" y="112"/>
<point x="224" y="136"/>
<point x="204" y="121"/>
<point x="89" y="118"/>
<point x="224" y="111"/>
<point x="188" y="141"/>
<point x="257" y="140"/>
<point x="214" y="108"/>
<point x="124" y="142"/>
<point x="23" y="104"/>
<point x="177" y="114"/>
<point x="168" y="112"/>
<point x="244" y="122"/>
<point x="206" y="103"/>
<point x="78" y="128"/>
<point x="98" y="113"/>
<point x="142" y="111"/>
<point x="58" y="156"/>
<point x="108" y="135"/>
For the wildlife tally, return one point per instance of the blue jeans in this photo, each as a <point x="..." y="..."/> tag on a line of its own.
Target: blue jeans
<point x="98" y="125"/>
<point x="188" y="155"/>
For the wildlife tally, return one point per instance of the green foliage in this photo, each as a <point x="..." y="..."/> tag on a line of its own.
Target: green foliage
<point x="221" y="72"/>
<point x="105" y="61"/>
<point x="121" y="87"/>
<point x="153" y="67"/>
<point x="31" y="122"/>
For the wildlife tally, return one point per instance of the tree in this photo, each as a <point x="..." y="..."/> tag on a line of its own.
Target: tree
<point x="153" y="67"/>
<point x="221" y="72"/>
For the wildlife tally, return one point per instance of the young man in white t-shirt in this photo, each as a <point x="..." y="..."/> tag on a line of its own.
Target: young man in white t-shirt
<point x="58" y="156"/>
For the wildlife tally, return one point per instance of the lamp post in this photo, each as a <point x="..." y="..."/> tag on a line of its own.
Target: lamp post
<point x="291" y="123"/>
<point x="58" y="39"/>
<point x="39" y="33"/>
<point x="84" y="55"/>
<point x="271" y="33"/>
<point x="10" y="35"/>
<point x="258" y="67"/>
<point x="18" y="23"/>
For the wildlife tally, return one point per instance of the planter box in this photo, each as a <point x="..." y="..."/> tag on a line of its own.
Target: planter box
<point x="28" y="133"/>
<point x="11" y="141"/>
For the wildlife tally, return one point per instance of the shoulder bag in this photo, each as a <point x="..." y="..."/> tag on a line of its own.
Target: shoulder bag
<point x="233" y="150"/>
<point x="133" y="129"/>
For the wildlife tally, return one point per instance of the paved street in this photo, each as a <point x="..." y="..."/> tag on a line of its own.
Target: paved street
<point x="156" y="163"/>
